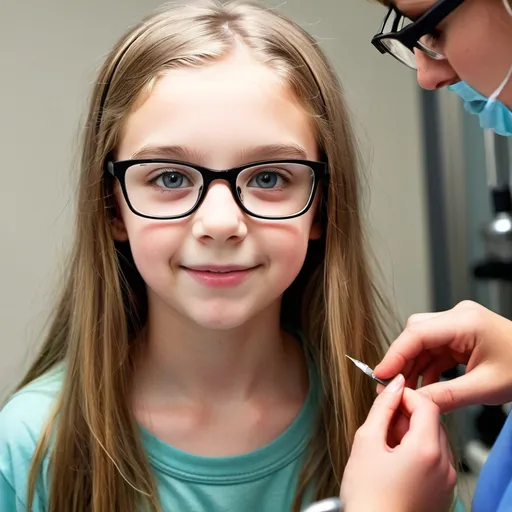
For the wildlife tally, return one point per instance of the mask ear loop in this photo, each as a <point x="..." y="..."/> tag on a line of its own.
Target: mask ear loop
<point x="499" y="90"/>
<point x="508" y="7"/>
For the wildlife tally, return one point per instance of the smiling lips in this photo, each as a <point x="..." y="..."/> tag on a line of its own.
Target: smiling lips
<point x="215" y="276"/>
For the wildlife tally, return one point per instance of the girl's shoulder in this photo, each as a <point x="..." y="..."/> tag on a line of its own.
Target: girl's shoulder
<point x="22" y="420"/>
<point x="30" y="406"/>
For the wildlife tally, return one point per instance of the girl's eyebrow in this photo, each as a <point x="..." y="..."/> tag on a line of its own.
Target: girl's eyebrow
<point x="269" y="151"/>
<point x="264" y="151"/>
<point x="167" y="152"/>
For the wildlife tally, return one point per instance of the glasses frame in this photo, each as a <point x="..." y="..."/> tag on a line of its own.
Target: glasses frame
<point x="118" y="170"/>
<point x="409" y="36"/>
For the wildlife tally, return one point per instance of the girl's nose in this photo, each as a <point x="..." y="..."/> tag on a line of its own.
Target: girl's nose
<point x="219" y="219"/>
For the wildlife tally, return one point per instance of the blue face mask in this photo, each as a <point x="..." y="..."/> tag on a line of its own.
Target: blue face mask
<point x="493" y="113"/>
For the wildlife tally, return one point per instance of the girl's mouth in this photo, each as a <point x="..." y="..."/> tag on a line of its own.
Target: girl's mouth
<point x="220" y="277"/>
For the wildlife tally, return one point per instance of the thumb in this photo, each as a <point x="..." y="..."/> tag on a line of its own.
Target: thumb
<point x="384" y="408"/>
<point x="469" y="389"/>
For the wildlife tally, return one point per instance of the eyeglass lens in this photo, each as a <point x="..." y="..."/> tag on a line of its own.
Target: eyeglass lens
<point x="428" y="43"/>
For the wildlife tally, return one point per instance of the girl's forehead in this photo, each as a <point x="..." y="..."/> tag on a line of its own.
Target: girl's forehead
<point x="219" y="110"/>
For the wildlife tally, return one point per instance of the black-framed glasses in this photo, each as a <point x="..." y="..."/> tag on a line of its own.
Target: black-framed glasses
<point x="171" y="189"/>
<point x="399" y="35"/>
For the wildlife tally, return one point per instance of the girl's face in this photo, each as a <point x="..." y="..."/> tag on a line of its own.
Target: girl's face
<point x="220" y="116"/>
<point x="476" y="39"/>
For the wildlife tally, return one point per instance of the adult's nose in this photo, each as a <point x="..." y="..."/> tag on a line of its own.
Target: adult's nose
<point x="433" y="74"/>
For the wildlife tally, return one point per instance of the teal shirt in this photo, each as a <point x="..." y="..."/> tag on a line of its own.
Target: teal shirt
<point x="261" y="481"/>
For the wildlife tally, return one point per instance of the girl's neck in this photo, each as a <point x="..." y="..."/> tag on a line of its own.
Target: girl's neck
<point x="182" y="362"/>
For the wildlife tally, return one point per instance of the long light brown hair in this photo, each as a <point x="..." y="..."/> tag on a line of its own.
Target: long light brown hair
<point x="97" y="461"/>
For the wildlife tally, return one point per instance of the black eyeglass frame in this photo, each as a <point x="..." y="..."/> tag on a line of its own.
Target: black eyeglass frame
<point x="409" y="36"/>
<point x="118" y="170"/>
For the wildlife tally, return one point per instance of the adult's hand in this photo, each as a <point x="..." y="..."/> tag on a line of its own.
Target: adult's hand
<point x="416" y="474"/>
<point x="468" y="334"/>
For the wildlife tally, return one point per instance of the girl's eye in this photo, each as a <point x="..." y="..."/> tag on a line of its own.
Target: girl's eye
<point x="266" y="179"/>
<point x="171" y="179"/>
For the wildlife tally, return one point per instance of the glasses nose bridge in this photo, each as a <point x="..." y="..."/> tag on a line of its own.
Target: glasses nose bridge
<point x="228" y="176"/>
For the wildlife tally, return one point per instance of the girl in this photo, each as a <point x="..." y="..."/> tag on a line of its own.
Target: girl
<point x="195" y="360"/>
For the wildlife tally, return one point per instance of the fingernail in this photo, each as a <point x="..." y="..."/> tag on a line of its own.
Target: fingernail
<point x="396" y="384"/>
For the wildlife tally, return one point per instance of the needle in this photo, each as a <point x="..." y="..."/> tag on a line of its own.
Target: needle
<point x="366" y="369"/>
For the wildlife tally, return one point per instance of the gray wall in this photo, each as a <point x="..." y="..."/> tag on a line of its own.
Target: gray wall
<point x="49" y="53"/>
